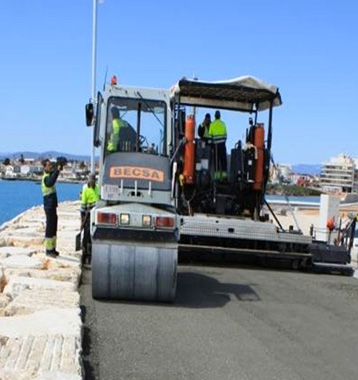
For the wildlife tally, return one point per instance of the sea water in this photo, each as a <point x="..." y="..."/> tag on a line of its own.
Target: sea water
<point x="18" y="196"/>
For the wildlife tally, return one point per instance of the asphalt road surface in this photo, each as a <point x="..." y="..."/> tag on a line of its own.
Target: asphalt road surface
<point x="228" y="323"/>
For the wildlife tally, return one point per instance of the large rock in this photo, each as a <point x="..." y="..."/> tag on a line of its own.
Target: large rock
<point x="60" y="274"/>
<point x="31" y="301"/>
<point x="3" y="280"/>
<point x="4" y="301"/>
<point x="23" y="230"/>
<point x="62" y="261"/>
<point x="12" y="251"/>
<point x="21" y="261"/>
<point x="40" y="338"/>
<point x="6" y="374"/>
<point x="17" y="285"/>
<point x="46" y="342"/>
<point x="19" y="240"/>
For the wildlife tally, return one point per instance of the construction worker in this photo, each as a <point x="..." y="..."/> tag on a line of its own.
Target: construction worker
<point x="203" y="129"/>
<point x="123" y="136"/>
<point x="50" y="206"/>
<point x="89" y="197"/>
<point x="218" y="134"/>
<point x="90" y="194"/>
<point x="117" y="123"/>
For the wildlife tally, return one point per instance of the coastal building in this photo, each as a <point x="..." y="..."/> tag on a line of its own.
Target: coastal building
<point x="9" y="171"/>
<point x="281" y="173"/>
<point x="25" y="169"/>
<point x="339" y="175"/>
<point x="29" y="161"/>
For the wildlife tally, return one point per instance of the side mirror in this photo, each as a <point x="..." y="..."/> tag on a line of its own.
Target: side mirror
<point x="89" y="114"/>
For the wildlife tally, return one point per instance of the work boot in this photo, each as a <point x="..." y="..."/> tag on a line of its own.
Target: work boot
<point x="54" y="254"/>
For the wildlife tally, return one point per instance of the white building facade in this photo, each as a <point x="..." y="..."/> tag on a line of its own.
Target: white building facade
<point x="339" y="175"/>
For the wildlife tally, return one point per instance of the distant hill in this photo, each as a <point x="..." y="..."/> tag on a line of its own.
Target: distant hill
<point x="48" y="154"/>
<point x="307" y="169"/>
<point x="297" y="169"/>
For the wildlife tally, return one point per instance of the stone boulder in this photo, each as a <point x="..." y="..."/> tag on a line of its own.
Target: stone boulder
<point x="17" y="285"/>
<point x="13" y="251"/>
<point x="21" y="261"/>
<point x="33" y="300"/>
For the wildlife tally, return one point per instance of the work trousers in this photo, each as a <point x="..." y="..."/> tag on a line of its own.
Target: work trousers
<point x="51" y="228"/>
<point x="220" y="155"/>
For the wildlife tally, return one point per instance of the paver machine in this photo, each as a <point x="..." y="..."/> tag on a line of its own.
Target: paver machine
<point x="160" y="195"/>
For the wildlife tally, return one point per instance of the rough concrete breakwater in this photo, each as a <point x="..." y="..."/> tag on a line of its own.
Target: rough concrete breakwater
<point x="40" y="317"/>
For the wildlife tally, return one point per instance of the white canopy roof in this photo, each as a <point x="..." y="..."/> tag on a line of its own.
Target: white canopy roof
<point x="244" y="93"/>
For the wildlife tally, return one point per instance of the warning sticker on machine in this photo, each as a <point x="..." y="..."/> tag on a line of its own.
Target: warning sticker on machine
<point x="135" y="172"/>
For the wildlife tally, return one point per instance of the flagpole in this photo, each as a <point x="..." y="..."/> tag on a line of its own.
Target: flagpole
<point x="94" y="68"/>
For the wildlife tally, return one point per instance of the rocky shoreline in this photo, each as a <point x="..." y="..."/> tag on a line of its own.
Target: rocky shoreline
<point x="40" y="316"/>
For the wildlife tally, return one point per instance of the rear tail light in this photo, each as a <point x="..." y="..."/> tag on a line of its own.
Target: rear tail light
<point x="164" y="222"/>
<point x="106" y="218"/>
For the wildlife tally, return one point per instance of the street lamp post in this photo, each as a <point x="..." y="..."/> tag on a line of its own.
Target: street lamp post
<point x="94" y="64"/>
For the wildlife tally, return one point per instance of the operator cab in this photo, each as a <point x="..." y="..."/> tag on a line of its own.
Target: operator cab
<point x="140" y="124"/>
<point x="133" y="131"/>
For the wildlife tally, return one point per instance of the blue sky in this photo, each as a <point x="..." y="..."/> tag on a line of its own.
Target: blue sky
<point x="307" y="48"/>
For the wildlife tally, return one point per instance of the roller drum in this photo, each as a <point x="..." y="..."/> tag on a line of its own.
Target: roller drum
<point x="134" y="272"/>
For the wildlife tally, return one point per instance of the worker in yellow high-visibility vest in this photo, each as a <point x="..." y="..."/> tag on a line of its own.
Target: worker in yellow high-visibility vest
<point x="218" y="134"/>
<point x="89" y="197"/>
<point x="203" y="129"/>
<point x="117" y="124"/>
<point x="50" y="202"/>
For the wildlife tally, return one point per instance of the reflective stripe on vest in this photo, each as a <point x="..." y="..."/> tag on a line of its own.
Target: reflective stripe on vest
<point x="47" y="190"/>
<point x="218" y="139"/>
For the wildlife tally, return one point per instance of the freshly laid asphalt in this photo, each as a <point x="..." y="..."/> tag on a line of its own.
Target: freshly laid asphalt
<point x="228" y="323"/>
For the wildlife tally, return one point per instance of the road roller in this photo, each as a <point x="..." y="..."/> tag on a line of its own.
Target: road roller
<point x="162" y="199"/>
